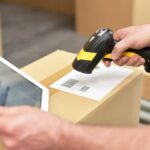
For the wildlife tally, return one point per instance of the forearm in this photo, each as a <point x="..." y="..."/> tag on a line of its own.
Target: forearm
<point x="80" y="137"/>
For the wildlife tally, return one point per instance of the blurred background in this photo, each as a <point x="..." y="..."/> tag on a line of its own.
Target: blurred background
<point x="29" y="33"/>
<point x="32" y="29"/>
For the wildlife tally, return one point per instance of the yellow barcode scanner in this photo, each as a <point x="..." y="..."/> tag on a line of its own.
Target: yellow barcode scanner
<point x="100" y="46"/>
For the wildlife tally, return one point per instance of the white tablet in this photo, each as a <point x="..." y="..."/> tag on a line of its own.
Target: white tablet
<point x="17" y="88"/>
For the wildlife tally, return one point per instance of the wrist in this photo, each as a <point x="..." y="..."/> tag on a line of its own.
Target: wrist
<point x="67" y="135"/>
<point x="57" y="131"/>
<point x="77" y="137"/>
<point x="71" y="137"/>
<point x="60" y="135"/>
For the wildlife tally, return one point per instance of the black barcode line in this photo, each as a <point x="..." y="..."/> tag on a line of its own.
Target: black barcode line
<point x="70" y="83"/>
<point x="84" y="88"/>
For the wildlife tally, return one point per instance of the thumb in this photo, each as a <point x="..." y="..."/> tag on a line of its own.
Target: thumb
<point x="120" y="47"/>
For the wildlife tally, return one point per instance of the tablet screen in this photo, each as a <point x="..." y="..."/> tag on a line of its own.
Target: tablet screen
<point x="16" y="90"/>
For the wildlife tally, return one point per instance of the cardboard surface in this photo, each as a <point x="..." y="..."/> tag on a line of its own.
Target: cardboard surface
<point x="145" y="84"/>
<point x="141" y="12"/>
<point x="60" y="6"/>
<point x="91" y="15"/>
<point x="94" y="86"/>
<point x="117" y="14"/>
<point x="49" y="65"/>
<point x="119" y="107"/>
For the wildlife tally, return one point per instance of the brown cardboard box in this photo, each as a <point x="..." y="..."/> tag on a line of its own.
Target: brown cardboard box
<point x="145" y="84"/>
<point x="60" y="6"/>
<point x="145" y="94"/>
<point x="119" y="107"/>
<point x="141" y="12"/>
<point x="91" y="15"/>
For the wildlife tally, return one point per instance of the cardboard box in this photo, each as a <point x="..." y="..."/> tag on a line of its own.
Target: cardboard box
<point x="141" y="12"/>
<point x="60" y="6"/>
<point x="91" y="15"/>
<point x="145" y="85"/>
<point x="119" y="107"/>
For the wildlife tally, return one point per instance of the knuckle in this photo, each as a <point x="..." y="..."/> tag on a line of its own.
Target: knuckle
<point x="135" y="59"/>
<point x="10" y="129"/>
<point x="6" y="129"/>
<point x="130" y="62"/>
<point x="128" y="43"/>
<point x="117" y="47"/>
<point x="128" y="40"/>
<point x="122" y="61"/>
<point x="125" y="41"/>
<point x="118" y="63"/>
<point x="9" y="144"/>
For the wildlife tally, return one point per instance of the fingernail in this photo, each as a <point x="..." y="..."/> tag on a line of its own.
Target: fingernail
<point x="107" y="64"/>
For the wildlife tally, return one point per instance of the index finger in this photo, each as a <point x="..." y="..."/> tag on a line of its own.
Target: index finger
<point x="122" y="33"/>
<point x="120" y="47"/>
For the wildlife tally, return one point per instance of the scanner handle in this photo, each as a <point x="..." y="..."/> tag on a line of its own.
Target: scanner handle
<point x="144" y="53"/>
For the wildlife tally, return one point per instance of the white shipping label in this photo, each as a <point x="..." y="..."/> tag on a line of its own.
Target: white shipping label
<point x="94" y="86"/>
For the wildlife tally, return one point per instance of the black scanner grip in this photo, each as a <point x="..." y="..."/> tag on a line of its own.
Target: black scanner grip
<point x="144" y="53"/>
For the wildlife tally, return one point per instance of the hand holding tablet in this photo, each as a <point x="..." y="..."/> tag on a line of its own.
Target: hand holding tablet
<point x="17" y="88"/>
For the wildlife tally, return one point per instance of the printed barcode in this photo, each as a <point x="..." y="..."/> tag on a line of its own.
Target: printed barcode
<point x="70" y="83"/>
<point x="84" y="88"/>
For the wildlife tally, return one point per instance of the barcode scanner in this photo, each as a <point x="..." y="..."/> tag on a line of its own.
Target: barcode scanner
<point x="100" y="46"/>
